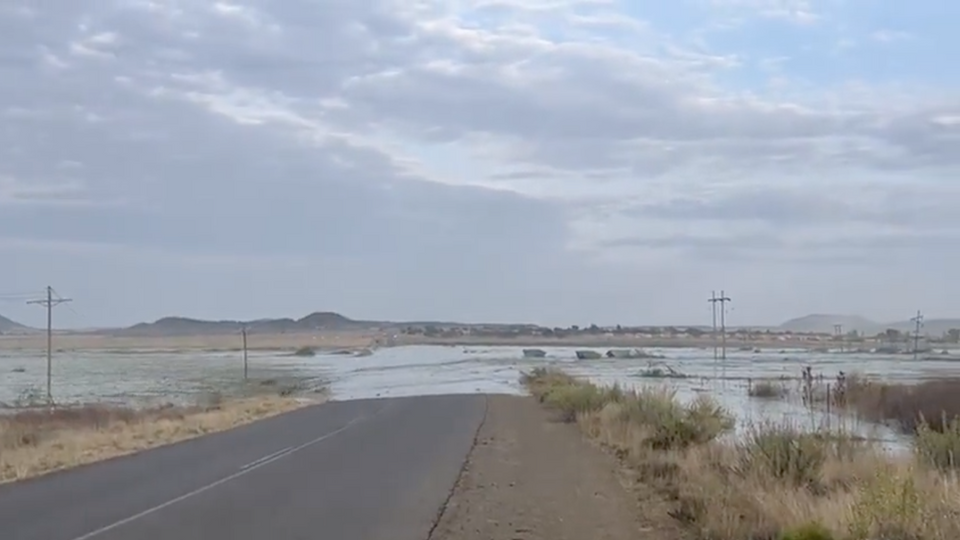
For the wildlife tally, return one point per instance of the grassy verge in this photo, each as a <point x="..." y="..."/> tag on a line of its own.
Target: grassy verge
<point x="39" y="441"/>
<point x="776" y="483"/>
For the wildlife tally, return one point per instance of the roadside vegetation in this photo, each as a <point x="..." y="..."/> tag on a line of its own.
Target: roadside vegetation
<point x="771" y="481"/>
<point x="39" y="440"/>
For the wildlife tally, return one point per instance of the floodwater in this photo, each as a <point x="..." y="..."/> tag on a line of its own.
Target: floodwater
<point x="142" y="377"/>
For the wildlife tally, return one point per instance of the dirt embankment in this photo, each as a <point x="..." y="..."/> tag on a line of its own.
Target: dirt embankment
<point x="531" y="478"/>
<point x="216" y="342"/>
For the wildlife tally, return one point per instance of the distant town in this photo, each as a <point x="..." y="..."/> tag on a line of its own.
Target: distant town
<point x="890" y="340"/>
<point x="819" y="331"/>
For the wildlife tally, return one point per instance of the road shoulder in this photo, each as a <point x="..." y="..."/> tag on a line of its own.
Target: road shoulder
<point x="531" y="478"/>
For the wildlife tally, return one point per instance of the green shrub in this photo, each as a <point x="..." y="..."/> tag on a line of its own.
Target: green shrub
<point x="767" y="390"/>
<point x="305" y="351"/>
<point x="785" y="453"/>
<point x="889" y="507"/>
<point x="541" y="380"/>
<point x="810" y="531"/>
<point x="673" y="424"/>
<point x="575" y="399"/>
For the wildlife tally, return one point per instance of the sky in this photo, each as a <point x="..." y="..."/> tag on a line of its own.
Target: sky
<point x="550" y="161"/>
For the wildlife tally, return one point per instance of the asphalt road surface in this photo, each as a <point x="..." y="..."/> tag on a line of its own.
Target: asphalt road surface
<point x="353" y="470"/>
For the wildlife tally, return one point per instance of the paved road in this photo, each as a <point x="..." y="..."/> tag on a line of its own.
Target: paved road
<point x="355" y="470"/>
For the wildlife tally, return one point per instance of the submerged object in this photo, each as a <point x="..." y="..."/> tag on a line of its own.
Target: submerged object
<point x="534" y="353"/>
<point x="588" y="355"/>
<point x="631" y="353"/>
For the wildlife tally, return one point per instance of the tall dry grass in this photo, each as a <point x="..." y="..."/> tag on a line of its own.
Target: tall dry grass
<point x="40" y="440"/>
<point x="929" y="412"/>
<point x="778" y="482"/>
<point x="935" y="403"/>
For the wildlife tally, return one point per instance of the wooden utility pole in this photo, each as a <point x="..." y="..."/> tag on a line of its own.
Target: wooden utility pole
<point x="918" y="322"/>
<point x="243" y="332"/>
<point x="713" y="333"/>
<point x="50" y="302"/>
<point x="723" y="327"/>
<point x="722" y="299"/>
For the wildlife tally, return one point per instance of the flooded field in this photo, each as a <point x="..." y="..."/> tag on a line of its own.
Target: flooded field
<point x="139" y="377"/>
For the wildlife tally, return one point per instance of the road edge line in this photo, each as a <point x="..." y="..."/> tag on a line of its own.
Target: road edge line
<point x="463" y="469"/>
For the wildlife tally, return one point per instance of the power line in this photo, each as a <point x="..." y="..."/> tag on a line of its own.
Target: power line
<point x="50" y="302"/>
<point x="16" y="297"/>
<point x="69" y="307"/>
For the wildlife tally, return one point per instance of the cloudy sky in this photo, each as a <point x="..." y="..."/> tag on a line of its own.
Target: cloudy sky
<point x="552" y="161"/>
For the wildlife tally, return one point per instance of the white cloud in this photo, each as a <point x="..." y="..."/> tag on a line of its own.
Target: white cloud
<point x="68" y="192"/>
<point x="571" y="138"/>
<point x="800" y="12"/>
<point x="97" y="45"/>
<point x="890" y="36"/>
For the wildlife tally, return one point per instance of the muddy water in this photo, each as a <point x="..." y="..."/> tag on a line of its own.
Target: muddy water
<point x="150" y="376"/>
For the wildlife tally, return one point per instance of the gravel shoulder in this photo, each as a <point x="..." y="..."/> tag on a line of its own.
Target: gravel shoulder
<point x="530" y="478"/>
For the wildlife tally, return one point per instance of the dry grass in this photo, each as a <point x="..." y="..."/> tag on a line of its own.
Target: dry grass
<point x="776" y="483"/>
<point x="35" y="442"/>
<point x="934" y="403"/>
<point x="226" y="342"/>
<point x="929" y="411"/>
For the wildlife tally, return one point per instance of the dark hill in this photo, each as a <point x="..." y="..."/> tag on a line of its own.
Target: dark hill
<point x="182" y="326"/>
<point x="11" y="327"/>
<point x="823" y="323"/>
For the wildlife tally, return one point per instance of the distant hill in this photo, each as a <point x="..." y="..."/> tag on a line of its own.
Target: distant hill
<point x="9" y="327"/>
<point x="331" y="321"/>
<point x="182" y="326"/>
<point x="933" y="327"/>
<point x="823" y="323"/>
<point x="321" y="320"/>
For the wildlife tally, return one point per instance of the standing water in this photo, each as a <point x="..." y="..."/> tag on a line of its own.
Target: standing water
<point x="140" y="377"/>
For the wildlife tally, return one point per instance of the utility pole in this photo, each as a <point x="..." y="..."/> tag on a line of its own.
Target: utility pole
<point x="50" y="302"/>
<point x="722" y="299"/>
<point x="243" y="332"/>
<point x="713" y="335"/>
<point x="723" y="329"/>
<point x="838" y="333"/>
<point x="918" y="322"/>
